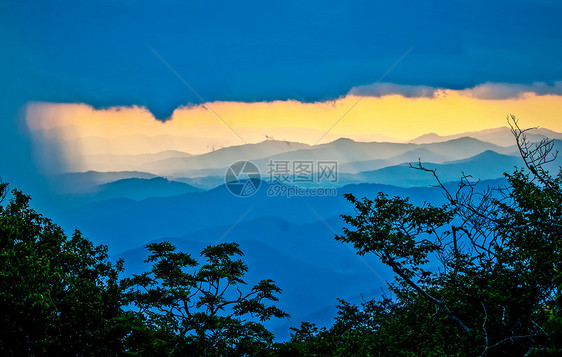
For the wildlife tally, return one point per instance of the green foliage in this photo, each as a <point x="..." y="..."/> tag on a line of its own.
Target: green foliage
<point x="201" y="309"/>
<point x="391" y="228"/>
<point x="553" y="325"/>
<point x="59" y="295"/>
<point x="476" y="276"/>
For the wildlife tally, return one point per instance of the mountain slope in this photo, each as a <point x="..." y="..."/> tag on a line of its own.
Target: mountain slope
<point x="423" y="154"/>
<point x="123" y="223"/>
<point x="114" y="162"/>
<point x="342" y="150"/>
<point x="307" y="287"/>
<point x="83" y="182"/>
<point x="500" y="136"/>
<point x="140" y="189"/>
<point x="374" y="154"/>
<point x="484" y="166"/>
<point x="221" y="158"/>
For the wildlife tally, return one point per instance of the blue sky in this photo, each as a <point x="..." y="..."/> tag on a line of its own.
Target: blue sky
<point x="96" y="52"/>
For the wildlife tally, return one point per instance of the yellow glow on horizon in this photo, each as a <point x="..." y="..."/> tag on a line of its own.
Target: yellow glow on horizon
<point x="372" y="118"/>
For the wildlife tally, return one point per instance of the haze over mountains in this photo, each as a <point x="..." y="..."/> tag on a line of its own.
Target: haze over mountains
<point x="128" y="153"/>
<point x="352" y="157"/>
<point x="173" y="195"/>
<point x="499" y="136"/>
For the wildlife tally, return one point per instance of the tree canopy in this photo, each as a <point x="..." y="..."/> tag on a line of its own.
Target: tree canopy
<point x="62" y="296"/>
<point x="59" y="295"/>
<point x="202" y="309"/>
<point x="475" y="276"/>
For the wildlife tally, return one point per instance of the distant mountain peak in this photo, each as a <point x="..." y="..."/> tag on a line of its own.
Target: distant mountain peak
<point x="280" y="142"/>
<point x="342" y="141"/>
<point x="487" y="155"/>
<point x="464" y="139"/>
<point x="501" y="136"/>
<point x="426" y="139"/>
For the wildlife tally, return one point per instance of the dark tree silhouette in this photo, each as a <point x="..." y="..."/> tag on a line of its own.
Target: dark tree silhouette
<point x="59" y="295"/>
<point x="62" y="296"/>
<point x="202" y="309"/>
<point x="475" y="276"/>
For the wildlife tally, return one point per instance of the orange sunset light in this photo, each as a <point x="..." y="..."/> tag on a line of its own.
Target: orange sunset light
<point x="198" y="129"/>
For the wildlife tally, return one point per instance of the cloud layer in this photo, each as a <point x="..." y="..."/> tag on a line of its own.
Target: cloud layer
<point x="508" y="90"/>
<point x="388" y="112"/>
<point x="270" y="51"/>
<point x="382" y="89"/>
<point x="488" y="90"/>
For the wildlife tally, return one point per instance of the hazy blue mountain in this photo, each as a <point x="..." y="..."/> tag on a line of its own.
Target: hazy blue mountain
<point x="431" y="147"/>
<point x="130" y="144"/>
<point x="290" y="240"/>
<point x="114" y="162"/>
<point x="342" y="150"/>
<point x="311" y="267"/>
<point x="409" y="156"/>
<point x="428" y="139"/>
<point x="465" y="147"/>
<point x="140" y="189"/>
<point x="305" y="260"/>
<point x="82" y="182"/>
<point x="128" y="188"/>
<point x="423" y="154"/>
<point x="484" y="166"/>
<point x="220" y="158"/>
<point x="500" y="136"/>
<point x="347" y="151"/>
<point x="363" y="165"/>
<point x="287" y="239"/>
<point x="202" y="182"/>
<point x="125" y="223"/>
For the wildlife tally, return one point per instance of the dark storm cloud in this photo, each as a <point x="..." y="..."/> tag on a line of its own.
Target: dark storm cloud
<point x="77" y="51"/>
<point x="96" y="53"/>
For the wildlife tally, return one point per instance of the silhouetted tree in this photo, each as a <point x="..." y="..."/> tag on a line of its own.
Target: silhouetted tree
<point x="493" y="292"/>
<point x="62" y="296"/>
<point x="59" y="295"/>
<point x="202" y="309"/>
